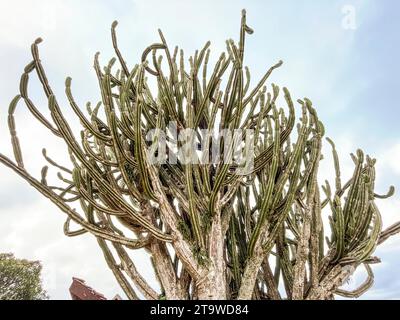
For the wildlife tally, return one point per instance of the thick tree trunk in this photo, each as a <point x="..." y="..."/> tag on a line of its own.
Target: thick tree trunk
<point x="212" y="286"/>
<point x="212" y="283"/>
<point x="250" y="274"/>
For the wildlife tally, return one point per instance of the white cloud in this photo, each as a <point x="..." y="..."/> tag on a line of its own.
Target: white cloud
<point x="388" y="159"/>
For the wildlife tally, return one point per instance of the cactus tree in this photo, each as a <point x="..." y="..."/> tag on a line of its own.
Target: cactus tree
<point x="212" y="230"/>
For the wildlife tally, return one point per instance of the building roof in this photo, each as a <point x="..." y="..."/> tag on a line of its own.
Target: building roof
<point x="81" y="291"/>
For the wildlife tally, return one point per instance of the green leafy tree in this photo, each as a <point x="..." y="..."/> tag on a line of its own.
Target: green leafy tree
<point x="212" y="230"/>
<point x="20" y="279"/>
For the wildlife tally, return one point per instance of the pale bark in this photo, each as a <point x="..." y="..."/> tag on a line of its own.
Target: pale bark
<point x="335" y="278"/>
<point x="166" y="272"/>
<point x="251" y="271"/>
<point x="168" y="213"/>
<point x="129" y="267"/>
<point x="301" y="258"/>
<point x="212" y="283"/>
<point x="273" y="291"/>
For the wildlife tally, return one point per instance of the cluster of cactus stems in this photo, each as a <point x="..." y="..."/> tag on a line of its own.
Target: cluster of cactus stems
<point x="210" y="233"/>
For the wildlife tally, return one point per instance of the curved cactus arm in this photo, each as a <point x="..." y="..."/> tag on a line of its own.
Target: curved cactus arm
<point x="389" y="232"/>
<point x="13" y="132"/>
<point x="70" y="233"/>
<point x="129" y="267"/>
<point x="24" y="93"/>
<point x="65" y="208"/>
<point x="117" y="51"/>
<point x="53" y="163"/>
<point x="112" y="264"/>
<point x="389" y="194"/>
<point x="266" y="203"/>
<point x="364" y="287"/>
<point x="338" y="182"/>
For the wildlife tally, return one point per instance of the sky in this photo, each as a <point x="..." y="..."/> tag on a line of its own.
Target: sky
<point x="343" y="55"/>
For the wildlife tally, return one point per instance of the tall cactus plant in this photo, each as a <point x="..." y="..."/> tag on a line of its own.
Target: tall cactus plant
<point x="212" y="231"/>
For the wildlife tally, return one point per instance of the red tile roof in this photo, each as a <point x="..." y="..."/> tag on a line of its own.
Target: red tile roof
<point x="80" y="291"/>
